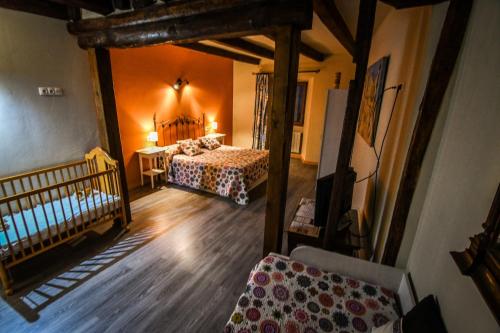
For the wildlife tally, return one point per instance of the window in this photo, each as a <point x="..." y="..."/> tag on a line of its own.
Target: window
<point x="300" y="104"/>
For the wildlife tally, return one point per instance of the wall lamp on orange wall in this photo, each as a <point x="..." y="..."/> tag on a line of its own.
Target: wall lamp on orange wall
<point x="178" y="84"/>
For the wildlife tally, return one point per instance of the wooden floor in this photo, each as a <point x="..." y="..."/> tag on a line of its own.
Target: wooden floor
<point x="181" y="267"/>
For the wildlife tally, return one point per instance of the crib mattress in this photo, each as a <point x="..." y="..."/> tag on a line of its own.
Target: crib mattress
<point x="283" y="295"/>
<point x="51" y="216"/>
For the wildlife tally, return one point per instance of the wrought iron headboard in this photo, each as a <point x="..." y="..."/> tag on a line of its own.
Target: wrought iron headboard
<point x="181" y="128"/>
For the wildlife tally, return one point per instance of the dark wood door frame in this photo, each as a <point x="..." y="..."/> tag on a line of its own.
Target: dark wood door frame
<point x="443" y="63"/>
<point x="283" y="19"/>
<point x="105" y="80"/>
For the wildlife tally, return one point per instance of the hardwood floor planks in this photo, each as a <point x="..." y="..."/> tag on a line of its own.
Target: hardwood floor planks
<point x="181" y="268"/>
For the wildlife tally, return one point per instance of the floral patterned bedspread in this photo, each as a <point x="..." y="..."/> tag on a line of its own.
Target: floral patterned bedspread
<point x="227" y="171"/>
<point x="289" y="297"/>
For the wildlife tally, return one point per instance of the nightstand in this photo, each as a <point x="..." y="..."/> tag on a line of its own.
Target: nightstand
<point x="219" y="136"/>
<point x="153" y="155"/>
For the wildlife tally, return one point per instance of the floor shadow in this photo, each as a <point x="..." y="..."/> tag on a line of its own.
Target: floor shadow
<point x="29" y="300"/>
<point x="142" y="191"/>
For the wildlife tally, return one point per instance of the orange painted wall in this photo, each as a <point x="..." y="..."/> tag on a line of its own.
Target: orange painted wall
<point x="143" y="78"/>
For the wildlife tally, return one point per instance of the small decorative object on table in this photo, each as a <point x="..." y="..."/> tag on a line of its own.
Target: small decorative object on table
<point x="302" y="229"/>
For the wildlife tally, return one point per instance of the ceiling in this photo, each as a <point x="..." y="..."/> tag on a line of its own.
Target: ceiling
<point x="319" y="37"/>
<point x="319" y="41"/>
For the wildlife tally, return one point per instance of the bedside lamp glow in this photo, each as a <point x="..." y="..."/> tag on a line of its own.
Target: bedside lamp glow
<point x="152" y="137"/>
<point x="214" y="126"/>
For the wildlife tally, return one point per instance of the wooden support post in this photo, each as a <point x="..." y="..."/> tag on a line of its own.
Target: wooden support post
<point x="286" y="66"/>
<point x="105" y="78"/>
<point x="366" y="21"/>
<point x="450" y="43"/>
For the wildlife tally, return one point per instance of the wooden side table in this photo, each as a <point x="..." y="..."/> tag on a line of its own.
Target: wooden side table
<point x="219" y="136"/>
<point x="153" y="155"/>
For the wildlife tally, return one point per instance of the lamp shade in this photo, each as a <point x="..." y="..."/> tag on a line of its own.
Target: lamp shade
<point x="214" y="125"/>
<point x="152" y="137"/>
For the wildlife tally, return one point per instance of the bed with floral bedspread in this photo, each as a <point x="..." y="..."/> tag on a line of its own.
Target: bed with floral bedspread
<point x="289" y="297"/>
<point x="227" y="171"/>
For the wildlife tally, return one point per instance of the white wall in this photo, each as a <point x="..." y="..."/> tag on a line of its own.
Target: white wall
<point x="464" y="179"/>
<point x="243" y="103"/>
<point x="38" y="131"/>
<point x="401" y="36"/>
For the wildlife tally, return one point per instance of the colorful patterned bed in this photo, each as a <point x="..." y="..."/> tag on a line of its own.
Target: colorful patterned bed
<point x="287" y="296"/>
<point x="227" y="171"/>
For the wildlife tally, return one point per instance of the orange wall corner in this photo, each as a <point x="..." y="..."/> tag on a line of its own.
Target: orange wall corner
<point x="143" y="79"/>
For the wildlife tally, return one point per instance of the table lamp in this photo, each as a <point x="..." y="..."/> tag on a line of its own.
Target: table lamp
<point x="152" y="137"/>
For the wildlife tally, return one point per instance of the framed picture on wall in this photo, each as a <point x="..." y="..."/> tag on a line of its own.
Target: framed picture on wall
<point x="373" y="92"/>
<point x="300" y="104"/>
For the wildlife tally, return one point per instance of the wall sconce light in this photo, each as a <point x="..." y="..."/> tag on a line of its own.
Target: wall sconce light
<point x="178" y="84"/>
<point x="152" y="137"/>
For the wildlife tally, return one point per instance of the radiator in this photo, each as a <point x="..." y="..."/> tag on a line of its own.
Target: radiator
<point x="296" y="142"/>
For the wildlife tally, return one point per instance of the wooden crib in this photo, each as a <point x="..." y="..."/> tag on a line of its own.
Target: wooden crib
<point x="42" y="209"/>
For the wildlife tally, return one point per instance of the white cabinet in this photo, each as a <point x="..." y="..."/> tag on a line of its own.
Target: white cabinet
<point x="334" y="120"/>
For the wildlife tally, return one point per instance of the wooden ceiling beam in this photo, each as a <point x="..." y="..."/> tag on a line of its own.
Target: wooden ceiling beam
<point x="247" y="46"/>
<point x="311" y="52"/>
<point x="138" y="4"/>
<point x="122" y="4"/>
<point x="103" y="7"/>
<point x="307" y="50"/>
<point x="333" y="20"/>
<point x="191" y="21"/>
<point x="402" y="4"/>
<point x="42" y="8"/>
<point x="221" y="52"/>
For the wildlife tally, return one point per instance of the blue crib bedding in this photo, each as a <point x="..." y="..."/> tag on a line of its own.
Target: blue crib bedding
<point x="65" y="210"/>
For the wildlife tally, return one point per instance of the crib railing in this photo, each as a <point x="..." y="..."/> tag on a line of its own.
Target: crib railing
<point x="46" y="207"/>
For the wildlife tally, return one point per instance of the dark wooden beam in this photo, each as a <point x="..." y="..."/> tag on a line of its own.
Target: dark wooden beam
<point x="191" y="21"/>
<point x="402" y="4"/>
<point x="221" y="52"/>
<point x="103" y="7"/>
<point x="311" y="52"/>
<point x="122" y="4"/>
<point x="139" y="4"/>
<point x="247" y="46"/>
<point x="42" y="8"/>
<point x="183" y="9"/>
<point x="74" y="14"/>
<point x="366" y="20"/>
<point x="443" y="63"/>
<point x="286" y="66"/>
<point x="331" y="17"/>
<point x="105" y="77"/>
<point x="306" y="50"/>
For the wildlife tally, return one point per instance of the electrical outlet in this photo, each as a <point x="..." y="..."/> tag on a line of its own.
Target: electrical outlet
<point x="42" y="91"/>
<point x="58" y="91"/>
<point x="50" y="91"/>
